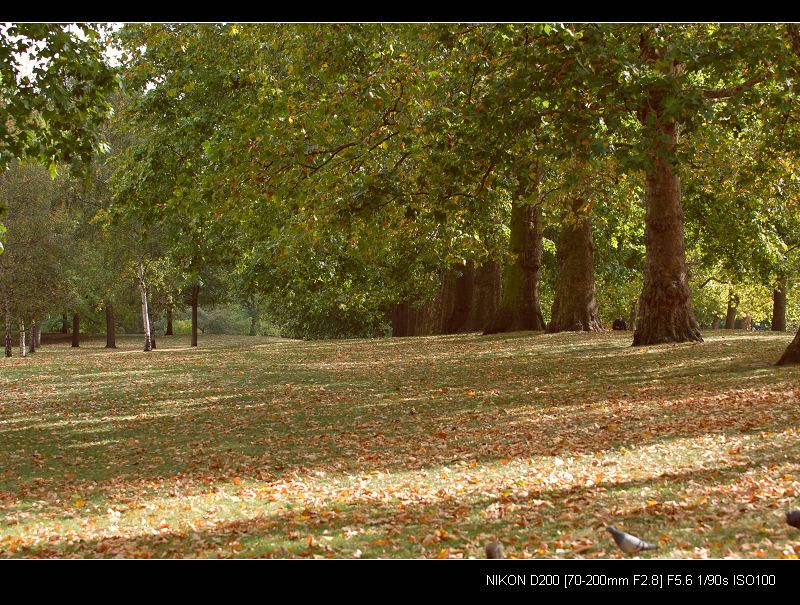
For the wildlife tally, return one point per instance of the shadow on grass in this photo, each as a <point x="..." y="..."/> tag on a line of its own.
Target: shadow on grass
<point x="564" y="522"/>
<point x="104" y="432"/>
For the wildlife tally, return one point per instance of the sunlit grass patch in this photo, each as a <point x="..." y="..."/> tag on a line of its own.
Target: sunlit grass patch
<point x="415" y="447"/>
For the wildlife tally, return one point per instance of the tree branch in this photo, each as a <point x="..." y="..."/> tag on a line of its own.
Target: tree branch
<point x="725" y="93"/>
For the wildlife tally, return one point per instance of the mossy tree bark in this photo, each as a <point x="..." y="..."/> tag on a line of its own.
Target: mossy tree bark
<point x="520" y="308"/>
<point x="574" y="306"/>
<point x="665" y="305"/>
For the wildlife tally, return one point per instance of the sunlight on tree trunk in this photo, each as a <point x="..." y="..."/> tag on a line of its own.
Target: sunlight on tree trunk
<point x="792" y="353"/>
<point x="665" y="306"/>
<point x="148" y="346"/>
<point x="22" y="345"/>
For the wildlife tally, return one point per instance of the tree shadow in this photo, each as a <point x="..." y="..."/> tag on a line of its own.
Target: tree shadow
<point x="335" y="407"/>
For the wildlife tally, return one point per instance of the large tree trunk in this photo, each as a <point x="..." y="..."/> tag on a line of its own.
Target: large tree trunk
<point x="730" y="315"/>
<point x="195" y="299"/>
<point x="400" y="320"/>
<point x="574" y="306"/>
<point x="792" y="352"/>
<point x="148" y="343"/>
<point x="23" y="351"/>
<point x="8" y="329"/>
<point x="168" y="331"/>
<point x="64" y="326"/>
<point x="520" y="308"/>
<point x="76" y="330"/>
<point x="486" y="297"/>
<point x="665" y="305"/>
<point x="462" y="300"/>
<point x="111" y="335"/>
<point x="779" y="308"/>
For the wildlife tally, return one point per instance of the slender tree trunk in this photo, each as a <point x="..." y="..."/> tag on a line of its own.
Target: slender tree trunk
<point x="151" y="316"/>
<point x="792" y="353"/>
<point x="634" y="314"/>
<point x="38" y="335"/>
<point x="168" y="331"/>
<point x="32" y="339"/>
<point x="730" y="315"/>
<point x="76" y="330"/>
<point x="779" y="308"/>
<point x="64" y="326"/>
<point x="574" y="306"/>
<point x="195" y="300"/>
<point x="23" y="351"/>
<point x="665" y="306"/>
<point x="715" y="323"/>
<point x="8" y="329"/>
<point x="148" y="346"/>
<point x="520" y="308"/>
<point x="111" y="334"/>
<point x="254" y="318"/>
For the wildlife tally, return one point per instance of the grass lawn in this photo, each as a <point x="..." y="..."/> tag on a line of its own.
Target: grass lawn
<point x="414" y="447"/>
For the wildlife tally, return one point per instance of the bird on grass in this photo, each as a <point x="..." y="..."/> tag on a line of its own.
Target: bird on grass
<point x="494" y="550"/>
<point x="793" y="518"/>
<point x="629" y="544"/>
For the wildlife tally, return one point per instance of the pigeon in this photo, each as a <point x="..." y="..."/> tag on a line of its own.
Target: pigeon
<point x="494" y="550"/>
<point x="793" y="518"/>
<point x="629" y="544"/>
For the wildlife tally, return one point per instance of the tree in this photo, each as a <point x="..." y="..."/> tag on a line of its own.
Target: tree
<point x="54" y="83"/>
<point x="31" y="269"/>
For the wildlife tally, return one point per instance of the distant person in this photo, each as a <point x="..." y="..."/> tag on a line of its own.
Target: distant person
<point x="619" y="324"/>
